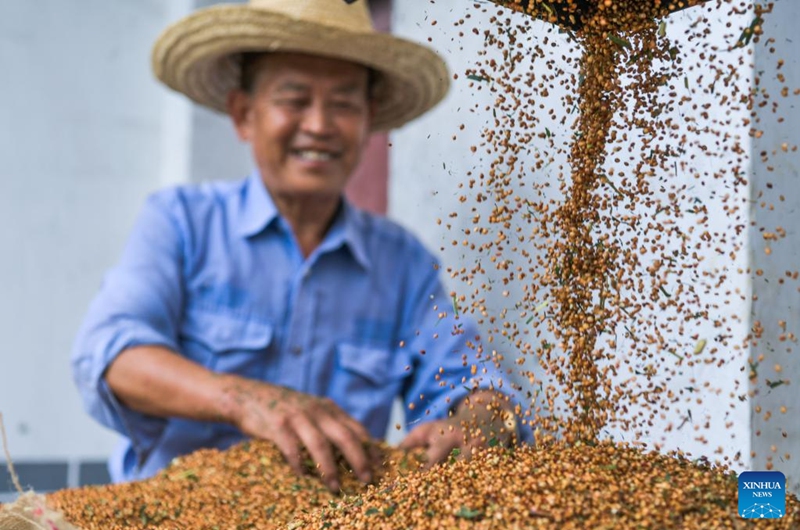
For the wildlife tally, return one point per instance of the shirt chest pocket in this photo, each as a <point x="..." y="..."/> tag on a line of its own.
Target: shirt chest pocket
<point x="229" y="343"/>
<point x="365" y="382"/>
<point x="375" y="366"/>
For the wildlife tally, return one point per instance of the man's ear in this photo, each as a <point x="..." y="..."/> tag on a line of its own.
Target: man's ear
<point x="238" y="105"/>
<point x="373" y="111"/>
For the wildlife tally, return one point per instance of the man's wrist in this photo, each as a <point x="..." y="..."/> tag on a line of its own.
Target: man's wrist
<point x="229" y="402"/>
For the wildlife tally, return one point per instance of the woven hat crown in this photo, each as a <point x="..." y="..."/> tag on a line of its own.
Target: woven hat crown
<point x="199" y="55"/>
<point x="339" y="14"/>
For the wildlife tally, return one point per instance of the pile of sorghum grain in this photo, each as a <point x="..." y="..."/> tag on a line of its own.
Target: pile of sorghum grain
<point x="580" y="487"/>
<point x="604" y="485"/>
<point x="247" y="486"/>
<point x="608" y="272"/>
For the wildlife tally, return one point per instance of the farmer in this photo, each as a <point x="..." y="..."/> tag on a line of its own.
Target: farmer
<point x="270" y="307"/>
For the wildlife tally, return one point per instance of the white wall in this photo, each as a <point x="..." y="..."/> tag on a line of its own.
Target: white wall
<point x="80" y="148"/>
<point x="775" y="202"/>
<point x="86" y="134"/>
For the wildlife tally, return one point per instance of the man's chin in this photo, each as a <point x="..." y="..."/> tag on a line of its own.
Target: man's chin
<point x="317" y="192"/>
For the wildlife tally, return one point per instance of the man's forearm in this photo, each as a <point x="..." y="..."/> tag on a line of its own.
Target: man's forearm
<point x="157" y="381"/>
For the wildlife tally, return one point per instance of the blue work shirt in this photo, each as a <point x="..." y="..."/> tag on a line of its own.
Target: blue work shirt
<point x="214" y="273"/>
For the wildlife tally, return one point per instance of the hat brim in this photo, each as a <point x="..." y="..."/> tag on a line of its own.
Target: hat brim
<point x="197" y="56"/>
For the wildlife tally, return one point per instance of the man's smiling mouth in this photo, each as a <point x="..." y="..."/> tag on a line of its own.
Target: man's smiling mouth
<point x="314" y="155"/>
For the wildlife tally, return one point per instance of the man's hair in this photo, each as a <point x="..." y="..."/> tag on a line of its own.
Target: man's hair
<point x="249" y="71"/>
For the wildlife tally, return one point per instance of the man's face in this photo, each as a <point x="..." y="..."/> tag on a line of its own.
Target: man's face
<point x="307" y="120"/>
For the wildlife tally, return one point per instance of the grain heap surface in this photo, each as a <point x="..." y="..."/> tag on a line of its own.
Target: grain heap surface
<point x="560" y="486"/>
<point x="247" y="486"/>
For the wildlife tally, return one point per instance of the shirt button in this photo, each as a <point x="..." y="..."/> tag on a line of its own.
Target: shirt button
<point x="296" y="350"/>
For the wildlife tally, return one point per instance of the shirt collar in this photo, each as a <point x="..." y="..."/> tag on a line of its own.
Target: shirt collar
<point x="257" y="211"/>
<point x="354" y="232"/>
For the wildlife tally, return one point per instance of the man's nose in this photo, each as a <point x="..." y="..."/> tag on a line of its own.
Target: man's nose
<point x="318" y="119"/>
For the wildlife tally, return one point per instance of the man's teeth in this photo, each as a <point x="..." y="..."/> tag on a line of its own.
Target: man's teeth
<point x="314" y="156"/>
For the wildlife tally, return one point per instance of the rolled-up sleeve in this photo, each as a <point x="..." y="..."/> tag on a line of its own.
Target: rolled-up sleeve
<point x="139" y="303"/>
<point x="445" y="345"/>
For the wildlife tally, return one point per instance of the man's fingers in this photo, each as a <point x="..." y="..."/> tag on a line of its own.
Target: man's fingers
<point x="352" y="439"/>
<point x="319" y="449"/>
<point x="440" y="448"/>
<point x="419" y="437"/>
<point x="349" y="443"/>
<point x="359" y="430"/>
<point x="354" y="425"/>
<point x="289" y="445"/>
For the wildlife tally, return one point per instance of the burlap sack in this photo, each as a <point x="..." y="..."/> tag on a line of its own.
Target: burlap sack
<point x="29" y="512"/>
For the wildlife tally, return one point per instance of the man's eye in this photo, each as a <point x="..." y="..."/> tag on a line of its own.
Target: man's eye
<point x="292" y="102"/>
<point x="345" y="104"/>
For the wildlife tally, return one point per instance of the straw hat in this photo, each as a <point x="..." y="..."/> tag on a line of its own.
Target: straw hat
<point x="199" y="55"/>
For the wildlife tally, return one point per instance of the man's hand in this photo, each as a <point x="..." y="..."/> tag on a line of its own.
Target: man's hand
<point x="478" y="419"/>
<point x="157" y="381"/>
<point x="292" y="419"/>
